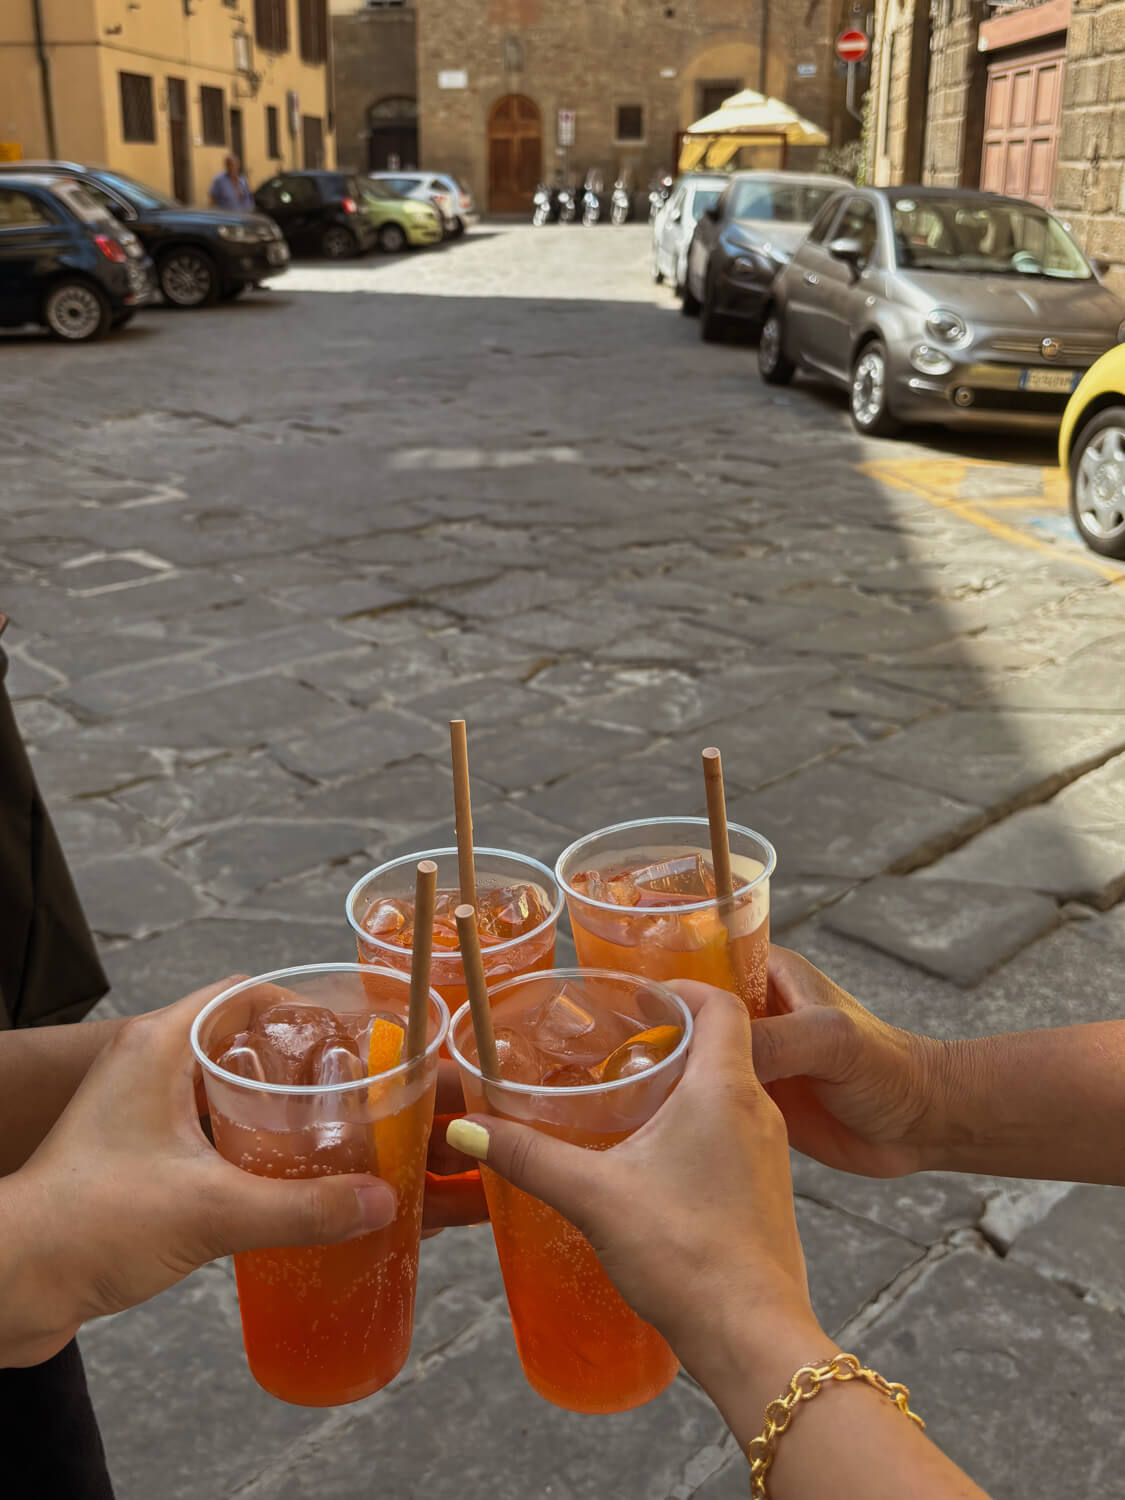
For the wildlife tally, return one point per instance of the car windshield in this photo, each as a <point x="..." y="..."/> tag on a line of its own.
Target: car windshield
<point x="136" y="193"/>
<point x="779" y="202"/>
<point x="969" y="236"/>
<point x="704" y="199"/>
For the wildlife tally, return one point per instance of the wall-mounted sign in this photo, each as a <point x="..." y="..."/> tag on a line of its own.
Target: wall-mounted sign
<point x="567" y="119"/>
<point x="10" y="151"/>
<point x="453" y="78"/>
<point x="806" y="70"/>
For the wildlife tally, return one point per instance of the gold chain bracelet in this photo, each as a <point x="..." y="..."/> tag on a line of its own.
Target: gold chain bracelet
<point x="807" y="1383"/>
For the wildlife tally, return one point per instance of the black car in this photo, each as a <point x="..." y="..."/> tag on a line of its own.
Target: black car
<point x="201" y="254"/>
<point x="740" y="245"/>
<point x="320" y="212"/>
<point x="64" y="262"/>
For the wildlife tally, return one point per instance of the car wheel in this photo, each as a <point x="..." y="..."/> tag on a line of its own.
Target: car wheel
<point x="77" y="312"/>
<point x="338" y="243"/>
<point x="188" y="278"/>
<point x="867" y="393"/>
<point x="1097" y="483"/>
<point x="689" y="302"/>
<point x="392" y="238"/>
<point x="774" y="365"/>
<point x="712" y="324"/>
<point x="458" y="229"/>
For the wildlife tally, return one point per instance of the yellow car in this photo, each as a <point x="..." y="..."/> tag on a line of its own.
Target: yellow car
<point x="1092" y="451"/>
<point x="399" y="221"/>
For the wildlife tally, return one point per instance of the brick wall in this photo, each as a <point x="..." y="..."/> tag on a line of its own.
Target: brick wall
<point x="594" y="55"/>
<point x="374" y="55"/>
<point x="896" y="117"/>
<point x="958" y="78"/>
<point x="1090" y="174"/>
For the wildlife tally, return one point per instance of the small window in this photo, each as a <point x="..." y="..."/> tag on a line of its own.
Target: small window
<point x="271" y="25"/>
<point x="213" y="111"/>
<point x="18" y="211"/>
<point x="299" y="192"/>
<point x="630" y="122"/>
<point x="313" y="16"/>
<point x="138" y="118"/>
<point x="273" y="133"/>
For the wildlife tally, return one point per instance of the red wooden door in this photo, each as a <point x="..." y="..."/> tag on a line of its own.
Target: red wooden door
<point x="1021" y="126"/>
<point x="515" y="154"/>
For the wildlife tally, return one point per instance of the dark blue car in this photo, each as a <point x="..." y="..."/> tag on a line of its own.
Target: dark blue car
<point x="64" y="263"/>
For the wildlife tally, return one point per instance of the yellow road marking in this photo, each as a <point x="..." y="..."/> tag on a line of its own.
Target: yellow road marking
<point x="939" y="481"/>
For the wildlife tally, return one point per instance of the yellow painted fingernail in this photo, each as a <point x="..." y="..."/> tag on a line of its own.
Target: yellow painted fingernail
<point x="469" y="1137"/>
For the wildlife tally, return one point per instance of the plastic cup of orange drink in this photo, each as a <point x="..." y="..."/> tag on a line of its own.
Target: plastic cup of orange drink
<point x="580" y="1345"/>
<point x="304" y="1076"/>
<point x="641" y="897"/>
<point x="518" y="908"/>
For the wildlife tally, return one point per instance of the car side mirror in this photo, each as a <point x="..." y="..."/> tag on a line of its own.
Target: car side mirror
<point x="849" y="251"/>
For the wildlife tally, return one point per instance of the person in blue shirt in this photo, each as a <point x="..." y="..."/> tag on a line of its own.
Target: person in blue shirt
<point x="230" y="189"/>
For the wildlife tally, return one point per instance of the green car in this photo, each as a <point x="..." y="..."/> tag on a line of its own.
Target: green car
<point x="399" y="221"/>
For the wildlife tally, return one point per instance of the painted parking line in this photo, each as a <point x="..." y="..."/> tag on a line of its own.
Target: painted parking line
<point x="1025" y="504"/>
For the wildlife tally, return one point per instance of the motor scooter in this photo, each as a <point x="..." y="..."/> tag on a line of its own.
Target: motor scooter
<point x="591" y="200"/>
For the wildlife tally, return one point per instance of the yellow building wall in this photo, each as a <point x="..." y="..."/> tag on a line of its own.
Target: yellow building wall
<point x="91" y="42"/>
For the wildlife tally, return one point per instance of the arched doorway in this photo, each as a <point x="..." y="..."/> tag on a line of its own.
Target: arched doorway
<point x="392" y="135"/>
<point x="515" y="154"/>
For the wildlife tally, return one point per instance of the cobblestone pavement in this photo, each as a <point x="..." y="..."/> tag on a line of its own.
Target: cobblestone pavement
<point x="256" y="558"/>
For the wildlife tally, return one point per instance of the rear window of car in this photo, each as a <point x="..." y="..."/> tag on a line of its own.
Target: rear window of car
<point x="81" y="202"/>
<point x="779" y="202"/>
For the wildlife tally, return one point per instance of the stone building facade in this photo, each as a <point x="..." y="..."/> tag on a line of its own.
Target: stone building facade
<point x="511" y="91"/>
<point x="1021" y="98"/>
<point x="374" y="50"/>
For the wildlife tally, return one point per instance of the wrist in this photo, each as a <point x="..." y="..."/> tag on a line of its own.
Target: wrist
<point x="38" y="1315"/>
<point x="950" y="1138"/>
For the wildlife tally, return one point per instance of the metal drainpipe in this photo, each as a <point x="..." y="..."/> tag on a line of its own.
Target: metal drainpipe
<point x="45" y="79"/>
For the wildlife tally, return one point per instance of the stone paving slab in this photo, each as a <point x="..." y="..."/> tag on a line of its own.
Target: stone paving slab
<point x="1079" y="1242"/>
<point x="952" y="928"/>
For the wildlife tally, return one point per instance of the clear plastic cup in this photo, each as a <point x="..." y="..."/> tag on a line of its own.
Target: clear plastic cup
<point x="325" y="1324"/>
<point x="457" y="1185"/>
<point x="724" y="943"/>
<point x="581" y="1346"/>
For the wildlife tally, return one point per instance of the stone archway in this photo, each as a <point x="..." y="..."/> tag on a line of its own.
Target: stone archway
<point x="515" y="154"/>
<point x="392" y="134"/>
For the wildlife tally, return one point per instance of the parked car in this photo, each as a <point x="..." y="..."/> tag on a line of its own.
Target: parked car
<point x="64" y="262"/>
<point x="449" y="195"/>
<point x="319" y="212"/>
<point x="939" y="305"/>
<point x="742" y="241"/>
<point x="674" y="222"/>
<point x="1092" y="453"/>
<point x="201" y="254"/>
<point x="400" y="221"/>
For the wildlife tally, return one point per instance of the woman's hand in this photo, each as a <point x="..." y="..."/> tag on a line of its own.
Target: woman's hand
<point x="692" y="1217"/>
<point x="856" y="1093"/>
<point x="125" y="1196"/>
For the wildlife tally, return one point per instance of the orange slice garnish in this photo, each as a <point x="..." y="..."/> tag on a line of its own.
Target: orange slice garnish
<point x="391" y="1135"/>
<point x="384" y="1051"/>
<point x="650" y="1046"/>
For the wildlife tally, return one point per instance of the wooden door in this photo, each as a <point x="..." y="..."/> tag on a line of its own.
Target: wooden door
<point x="1021" y="126"/>
<point x="312" y="141"/>
<point x="178" y="139"/>
<point x="515" y="154"/>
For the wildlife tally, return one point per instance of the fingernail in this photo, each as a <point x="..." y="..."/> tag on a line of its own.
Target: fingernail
<point x="377" y="1205"/>
<point x="469" y="1137"/>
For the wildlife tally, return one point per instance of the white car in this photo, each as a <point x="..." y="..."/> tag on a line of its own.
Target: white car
<point x="450" y="197"/>
<point x="674" y="225"/>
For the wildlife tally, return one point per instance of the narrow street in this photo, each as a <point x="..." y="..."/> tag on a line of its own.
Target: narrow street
<point x="256" y="557"/>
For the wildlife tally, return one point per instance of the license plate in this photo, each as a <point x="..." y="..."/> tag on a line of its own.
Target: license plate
<point x="277" y="255"/>
<point x="1061" y="382"/>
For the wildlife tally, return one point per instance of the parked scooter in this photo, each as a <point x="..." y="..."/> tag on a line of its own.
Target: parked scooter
<point x="566" y="205"/>
<point x="591" y="200"/>
<point x="541" y="209"/>
<point x="621" y="204"/>
<point x="658" y="195"/>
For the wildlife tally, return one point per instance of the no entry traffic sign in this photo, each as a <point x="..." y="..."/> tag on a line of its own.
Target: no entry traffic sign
<point x="852" y="46"/>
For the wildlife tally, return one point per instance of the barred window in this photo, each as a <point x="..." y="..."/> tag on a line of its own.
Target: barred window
<point x="313" y="16"/>
<point x="138" y="117"/>
<point x="630" y="122"/>
<point x="271" y="24"/>
<point x="213" y="112"/>
<point x="273" y="133"/>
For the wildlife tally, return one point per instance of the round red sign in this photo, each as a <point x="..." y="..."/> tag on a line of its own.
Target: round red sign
<point x="852" y="46"/>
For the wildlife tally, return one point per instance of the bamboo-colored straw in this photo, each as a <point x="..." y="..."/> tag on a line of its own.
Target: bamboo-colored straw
<point x="717" y="817"/>
<point x="466" y="918"/>
<point x="425" y="897"/>
<point x="463" y="810"/>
